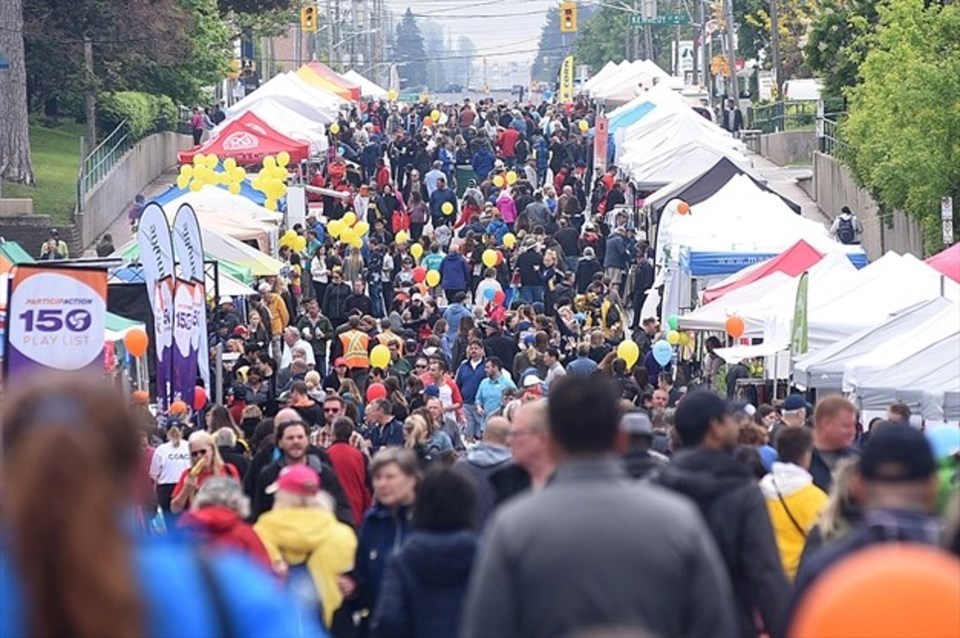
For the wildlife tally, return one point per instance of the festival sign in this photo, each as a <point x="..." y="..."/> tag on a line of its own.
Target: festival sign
<point x="156" y="258"/>
<point x="188" y="249"/>
<point x="56" y="319"/>
<point x="601" y="130"/>
<point x="566" y="80"/>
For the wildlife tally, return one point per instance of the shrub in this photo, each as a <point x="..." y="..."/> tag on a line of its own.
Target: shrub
<point x="143" y="112"/>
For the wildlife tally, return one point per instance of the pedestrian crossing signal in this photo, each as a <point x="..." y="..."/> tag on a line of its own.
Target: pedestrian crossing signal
<point x="568" y="17"/>
<point x="308" y="18"/>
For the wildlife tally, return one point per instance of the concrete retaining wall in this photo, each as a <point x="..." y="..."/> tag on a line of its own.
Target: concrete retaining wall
<point x="786" y="148"/>
<point x="140" y="166"/>
<point x="835" y="187"/>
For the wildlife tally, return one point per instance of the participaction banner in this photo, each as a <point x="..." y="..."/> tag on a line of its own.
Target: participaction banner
<point x="601" y="131"/>
<point x="156" y="257"/>
<point x="184" y="341"/>
<point x="188" y="248"/>
<point x="56" y="319"/>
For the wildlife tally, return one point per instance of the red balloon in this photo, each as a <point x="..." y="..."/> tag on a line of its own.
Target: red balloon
<point x="376" y="391"/>
<point x="499" y="297"/>
<point x="199" y="398"/>
<point x="419" y="274"/>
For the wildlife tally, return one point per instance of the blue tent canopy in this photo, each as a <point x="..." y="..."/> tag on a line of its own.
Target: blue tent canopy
<point x="712" y="264"/>
<point x="632" y="116"/>
<point x="246" y="190"/>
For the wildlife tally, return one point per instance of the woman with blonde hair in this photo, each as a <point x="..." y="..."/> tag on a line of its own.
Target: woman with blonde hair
<point x="206" y="463"/>
<point x="353" y="265"/>
<point x="841" y="511"/>
<point x="416" y="434"/>
<point x="167" y="465"/>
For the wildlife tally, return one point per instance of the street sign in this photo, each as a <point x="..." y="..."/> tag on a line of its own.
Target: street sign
<point x="662" y="19"/>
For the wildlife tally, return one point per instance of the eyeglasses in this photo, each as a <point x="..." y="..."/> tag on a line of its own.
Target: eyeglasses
<point x="331" y="410"/>
<point x="194" y="453"/>
<point x="421" y="366"/>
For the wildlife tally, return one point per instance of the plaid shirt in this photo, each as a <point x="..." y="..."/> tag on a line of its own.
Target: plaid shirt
<point x="324" y="438"/>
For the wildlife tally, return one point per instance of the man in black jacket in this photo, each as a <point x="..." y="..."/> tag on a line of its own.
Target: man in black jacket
<point x="294" y="446"/>
<point x="642" y="282"/>
<point x="731" y="502"/>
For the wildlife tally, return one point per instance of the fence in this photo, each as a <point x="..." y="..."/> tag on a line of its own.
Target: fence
<point x="101" y="160"/>
<point x="829" y="136"/>
<point x="787" y="115"/>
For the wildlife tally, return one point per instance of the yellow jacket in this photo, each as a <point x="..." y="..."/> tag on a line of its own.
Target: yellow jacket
<point x="279" y="315"/>
<point x="314" y="535"/>
<point x="804" y="500"/>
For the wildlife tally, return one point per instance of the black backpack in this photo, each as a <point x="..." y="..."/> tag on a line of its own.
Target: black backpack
<point x="845" y="231"/>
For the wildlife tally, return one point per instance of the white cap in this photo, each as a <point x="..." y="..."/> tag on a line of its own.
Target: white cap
<point x="531" y="380"/>
<point x="226" y="299"/>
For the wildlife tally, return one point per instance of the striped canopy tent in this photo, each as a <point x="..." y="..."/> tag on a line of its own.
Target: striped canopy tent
<point x="11" y="254"/>
<point x="319" y="74"/>
<point x="117" y="327"/>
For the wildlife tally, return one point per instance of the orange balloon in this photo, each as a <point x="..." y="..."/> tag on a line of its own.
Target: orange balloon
<point x="428" y="121"/>
<point x="735" y="327"/>
<point x="884" y="591"/>
<point x="683" y="208"/>
<point x="179" y="407"/>
<point x="136" y="342"/>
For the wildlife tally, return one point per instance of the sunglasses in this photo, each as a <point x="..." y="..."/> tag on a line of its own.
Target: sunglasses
<point x="329" y="410"/>
<point x="420" y="366"/>
<point x="194" y="453"/>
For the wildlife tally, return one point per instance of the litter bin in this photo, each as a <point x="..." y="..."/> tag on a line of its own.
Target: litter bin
<point x="464" y="174"/>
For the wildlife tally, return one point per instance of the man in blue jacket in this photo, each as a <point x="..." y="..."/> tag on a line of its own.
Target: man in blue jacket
<point x="469" y="376"/>
<point x="483" y="161"/>
<point x="438" y="198"/>
<point x="454" y="274"/>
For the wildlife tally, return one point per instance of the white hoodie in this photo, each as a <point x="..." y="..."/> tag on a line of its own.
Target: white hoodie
<point x="790" y="478"/>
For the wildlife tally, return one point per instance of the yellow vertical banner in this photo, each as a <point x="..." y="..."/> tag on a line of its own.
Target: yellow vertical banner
<point x="566" y="80"/>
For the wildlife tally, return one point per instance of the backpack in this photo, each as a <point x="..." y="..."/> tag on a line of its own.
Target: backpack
<point x="845" y="231"/>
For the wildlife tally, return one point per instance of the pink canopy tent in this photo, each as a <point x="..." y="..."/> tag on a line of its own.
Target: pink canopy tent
<point x="947" y="262"/>
<point x="792" y="262"/>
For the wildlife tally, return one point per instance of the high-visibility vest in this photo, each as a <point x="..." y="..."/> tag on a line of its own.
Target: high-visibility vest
<point x="386" y="339"/>
<point x="355" y="347"/>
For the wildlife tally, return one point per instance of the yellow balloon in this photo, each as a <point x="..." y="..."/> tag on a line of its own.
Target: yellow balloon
<point x="196" y="185"/>
<point x="380" y="356"/>
<point x="269" y="162"/>
<point x="673" y="337"/>
<point x="279" y="173"/>
<point x="629" y="352"/>
<point x="361" y="228"/>
<point x="435" y="115"/>
<point x="392" y="95"/>
<point x="684" y="339"/>
<point x="300" y="244"/>
<point x="447" y="208"/>
<point x="489" y="258"/>
<point x="509" y="240"/>
<point x="199" y="159"/>
<point x="270" y="204"/>
<point x="335" y="227"/>
<point x="417" y="251"/>
<point x="433" y="278"/>
<point x="402" y="237"/>
<point x="183" y="181"/>
<point x="347" y="235"/>
<point x="584" y="126"/>
<point x="186" y="170"/>
<point x="335" y="128"/>
<point x="498" y="181"/>
<point x="350" y="218"/>
<point x="283" y="158"/>
<point x="511" y="178"/>
<point x="212" y="161"/>
<point x="238" y="174"/>
<point x="291" y="234"/>
<point x="230" y="164"/>
<point x="234" y="188"/>
<point x="357" y="242"/>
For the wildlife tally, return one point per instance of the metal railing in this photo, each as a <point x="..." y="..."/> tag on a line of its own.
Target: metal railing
<point x="787" y="115"/>
<point x="829" y="135"/>
<point x="101" y="160"/>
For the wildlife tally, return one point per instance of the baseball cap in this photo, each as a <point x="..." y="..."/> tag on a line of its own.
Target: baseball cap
<point x="432" y="390"/>
<point x="897" y="454"/>
<point x="795" y="402"/>
<point x="636" y="423"/>
<point x="301" y="480"/>
<point x="241" y="331"/>
<point x="226" y="299"/>
<point x="339" y="361"/>
<point x="531" y="380"/>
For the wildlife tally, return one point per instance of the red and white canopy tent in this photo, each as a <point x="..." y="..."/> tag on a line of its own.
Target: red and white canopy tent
<point x="248" y="139"/>
<point x="793" y="261"/>
<point x="947" y="262"/>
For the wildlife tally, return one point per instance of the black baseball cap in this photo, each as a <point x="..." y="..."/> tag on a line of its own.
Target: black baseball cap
<point x="897" y="454"/>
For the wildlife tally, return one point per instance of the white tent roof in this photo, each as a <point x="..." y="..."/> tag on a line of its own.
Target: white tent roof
<point x="823" y="369"/>
<point x="367" y="88"/>
<point x="276" y="112"/>
<point x="232" y="215"/>
<point x="294" y="93"/>
<point x="627" y="81"/>
<point x="605" y="72"/>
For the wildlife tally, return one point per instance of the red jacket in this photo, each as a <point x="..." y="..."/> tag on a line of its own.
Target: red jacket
<point x="507" y="141"/>
<point x="383" y="177"/>
<point x="400" y="221"/>
<point x="223" y="528"/>
<point x="351" y="468"/>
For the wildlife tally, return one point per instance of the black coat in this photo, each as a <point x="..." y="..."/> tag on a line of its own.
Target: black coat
<point x="317" y="459"/>
<point x="424" y="586"/>
<point x="530" y="265"/>
<point x="735" y="511"/>
<point x="586" y="269"/>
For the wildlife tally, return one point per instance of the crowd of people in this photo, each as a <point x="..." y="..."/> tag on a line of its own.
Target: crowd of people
<point x="403" y="453"/>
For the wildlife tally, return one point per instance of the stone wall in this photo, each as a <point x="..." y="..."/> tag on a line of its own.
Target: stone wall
<point x="786" y="148"/>
<point x="835" y="187"/>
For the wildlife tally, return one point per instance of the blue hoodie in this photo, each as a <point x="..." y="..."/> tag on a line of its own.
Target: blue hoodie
<point x="468" y="379"/>
<point x="454" y="272"/>
<point x="483" y="161"/>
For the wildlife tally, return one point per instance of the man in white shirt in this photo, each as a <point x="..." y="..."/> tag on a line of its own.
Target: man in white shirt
<point x="291" y="342"/>
<point x="555" y="369"/>
<point x="430" y="179"/>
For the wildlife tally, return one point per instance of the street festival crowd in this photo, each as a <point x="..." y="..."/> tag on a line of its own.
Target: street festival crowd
<point x="453" y="422"/>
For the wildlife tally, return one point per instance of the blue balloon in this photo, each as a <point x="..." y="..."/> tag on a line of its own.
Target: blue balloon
<point x="341" y="150"/>
<point x="489" y="294"/>
<point x="945" y="440"/>
<point x="548" y="95"/>
<point x="662" y="353"/>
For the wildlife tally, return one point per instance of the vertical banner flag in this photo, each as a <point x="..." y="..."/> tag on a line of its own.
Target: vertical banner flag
<point x="601" y="129"/>
<point x="566" y="80"/>
<point x="156" y="258"/>
<point x="56" y="319"/>
<point x="184" y="341"/>
<point x="188" y="248"/>
<point x="798" y="340"/>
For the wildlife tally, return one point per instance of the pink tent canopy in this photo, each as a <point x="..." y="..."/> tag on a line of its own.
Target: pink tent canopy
<point x="947" y="262"/>
<point x="792" y="262"/>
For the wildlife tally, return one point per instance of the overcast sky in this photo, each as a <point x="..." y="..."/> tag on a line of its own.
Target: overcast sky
<point x="504" y="30"/>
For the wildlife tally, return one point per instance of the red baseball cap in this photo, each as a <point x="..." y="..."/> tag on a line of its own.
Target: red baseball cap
<point x="339" y="361"/>
<point x="301" y="480"/>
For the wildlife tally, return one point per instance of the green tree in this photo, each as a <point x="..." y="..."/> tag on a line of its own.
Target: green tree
<point x="410" y="54"/>
<point x="903" y="127"/>
<point x="555" y="45"/>
<point x="837" y="44"/>
<point x="601" y="39"/>
<point x="795" y="18"/>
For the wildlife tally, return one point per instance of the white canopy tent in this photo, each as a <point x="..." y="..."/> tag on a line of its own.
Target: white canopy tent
<point x="627" y="81"/>
<point x="600" y="75"/>
<point x="231" y="215"/>
<point x="294" y="93"/>
<point x="294" y="124"/>
<point x="823" y="368"/>
<point x="368" y="88"/>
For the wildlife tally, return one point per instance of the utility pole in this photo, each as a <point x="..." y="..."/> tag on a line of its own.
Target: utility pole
<point x="734" y="90"/>
<point x="298" y="46"/>
<point x="775" y="47"/>
<point x="331" y="30"/>
<point x="90" y="99"/>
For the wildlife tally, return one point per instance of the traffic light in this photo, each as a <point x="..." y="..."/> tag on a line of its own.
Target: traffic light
<point x="568" y="17"/>
<point x="308" y="18"/>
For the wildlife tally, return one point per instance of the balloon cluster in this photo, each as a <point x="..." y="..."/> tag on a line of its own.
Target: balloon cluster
<point x="674" y="336"/>
<point x="348" y="230"/>
<point x="271" y="179"/>
<point x="491" y="258"/>
<point x="291" y="239"/>
<point x="421" y="275"/>
<point x="496" y="296"/>
<point x="510" y="179"/>
<point x="202" y="173"/>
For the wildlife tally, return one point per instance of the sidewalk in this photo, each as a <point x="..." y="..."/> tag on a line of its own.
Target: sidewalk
<point x="120" y="228"/>
<point x="783" y="181"/>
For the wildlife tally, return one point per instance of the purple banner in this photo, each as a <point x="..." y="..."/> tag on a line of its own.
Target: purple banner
<point x="184" y="338"/>
<point x="163" y="338"/>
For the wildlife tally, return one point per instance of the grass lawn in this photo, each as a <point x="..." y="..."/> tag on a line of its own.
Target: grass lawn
<point x="56" y="160"/>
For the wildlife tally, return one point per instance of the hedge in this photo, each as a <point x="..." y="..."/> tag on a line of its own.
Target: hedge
<point x="144" y="112"/>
